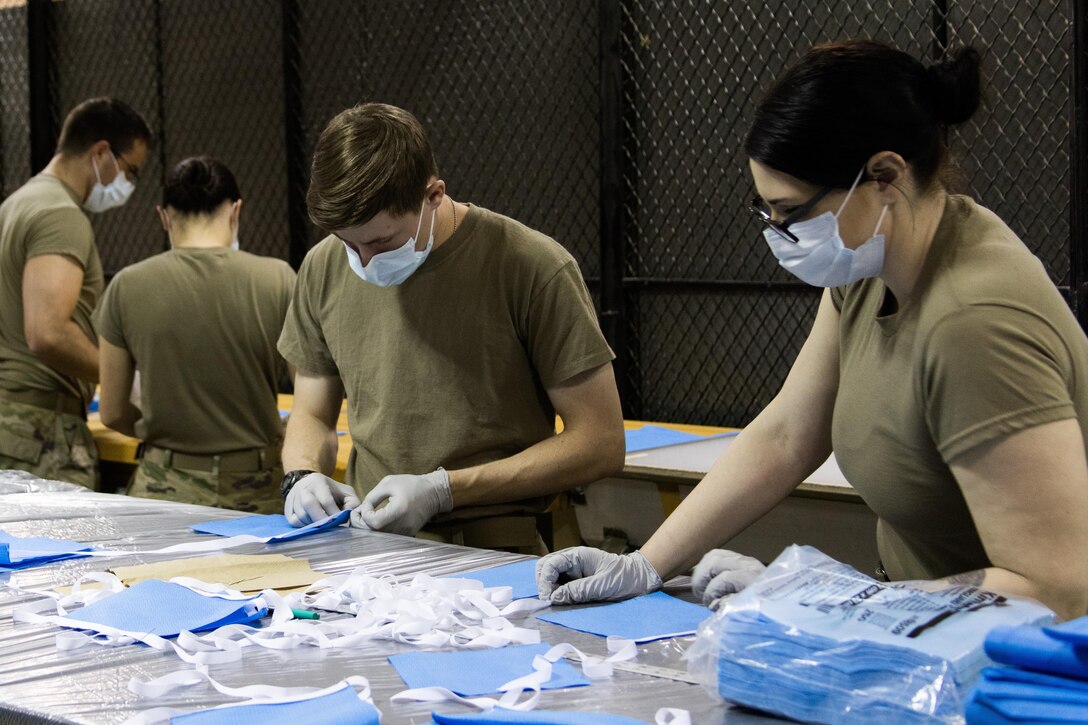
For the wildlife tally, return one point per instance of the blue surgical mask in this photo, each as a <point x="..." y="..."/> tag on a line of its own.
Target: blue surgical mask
<point x="820" y="258"/>
<point x="393" y="267"/>
<point x="108" y="196"/>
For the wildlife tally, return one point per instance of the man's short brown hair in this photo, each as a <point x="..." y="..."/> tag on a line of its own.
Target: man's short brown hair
<point x="102" y="119"/>
<point x="369" y="159"/>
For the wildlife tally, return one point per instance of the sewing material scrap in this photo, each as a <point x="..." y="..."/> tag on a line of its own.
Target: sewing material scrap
<point x="642" y="619"/>
<point x="274" y="526"/>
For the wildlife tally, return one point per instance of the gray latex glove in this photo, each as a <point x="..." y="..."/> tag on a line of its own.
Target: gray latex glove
<point x="721" y="573"/>
<point x="315" y="497"/>
<point x="598" y="576"/>
<point x="411" y="501"/>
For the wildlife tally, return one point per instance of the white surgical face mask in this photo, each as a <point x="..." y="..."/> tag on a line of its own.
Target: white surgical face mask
<point x="820" y="258"/>
<point x="108" y="196"/>
<point x="396" y="265"/>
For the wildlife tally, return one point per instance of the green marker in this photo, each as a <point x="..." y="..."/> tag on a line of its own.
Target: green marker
<point x="305" y="614"/>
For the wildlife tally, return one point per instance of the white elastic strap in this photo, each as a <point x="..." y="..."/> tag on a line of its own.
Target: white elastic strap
<point x="672" y="716"/>
<point x="880" y="219"/>
<point x="255" y="694"/>
<point x="851" y="192"/>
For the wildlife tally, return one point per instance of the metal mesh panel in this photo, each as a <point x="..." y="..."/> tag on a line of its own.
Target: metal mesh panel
<point x="108" y="48"/>
<point x="15" y="110"/>
<point x="507" y="91"/>
<point x="694" y="74"/>
<point x="512" y="94"/>
<point x="1016" y="150"/>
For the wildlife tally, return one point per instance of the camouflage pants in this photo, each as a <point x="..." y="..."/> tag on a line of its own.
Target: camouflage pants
<point x="51" y="445"/>
<point x="253" y="491"/>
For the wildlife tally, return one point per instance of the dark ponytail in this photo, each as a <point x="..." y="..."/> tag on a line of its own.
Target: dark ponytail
<point x="199" y="185"/>
<point x="843" y="102"/>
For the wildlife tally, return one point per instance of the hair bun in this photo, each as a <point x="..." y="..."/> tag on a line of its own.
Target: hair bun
<point x="956" y="83"/>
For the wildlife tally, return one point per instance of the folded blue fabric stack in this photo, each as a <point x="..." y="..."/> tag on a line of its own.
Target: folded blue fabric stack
<point x="814" y="640"/>
<point x="1046" y="680"/>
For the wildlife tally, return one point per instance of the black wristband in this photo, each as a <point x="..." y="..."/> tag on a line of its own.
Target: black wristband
<point x="290" y="479"/>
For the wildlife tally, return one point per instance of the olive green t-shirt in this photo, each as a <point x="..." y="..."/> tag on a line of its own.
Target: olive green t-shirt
<point x="985" y="348"/>
<point x="43" y="217"/>
<point x="201" y="325"/>
<point x="450" y="367"/>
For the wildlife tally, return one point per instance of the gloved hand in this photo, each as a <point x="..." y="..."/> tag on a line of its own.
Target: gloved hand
<point x="315" y="497"/>
<point x="411" y="501"/>
<point x="598" y="576"/>
<point x="722" y="572"/>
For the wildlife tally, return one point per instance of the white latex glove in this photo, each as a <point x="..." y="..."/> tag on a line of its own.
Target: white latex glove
<point x="411" y="501"/>
<point x="721" y="573"/>
<point x="315" y="497"/>
<point x="598" y="576"/>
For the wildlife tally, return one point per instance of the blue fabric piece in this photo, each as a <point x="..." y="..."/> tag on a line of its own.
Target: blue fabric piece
<point x="521" y="576"/>
<point x="480" y="672"/>
<point x="646" y="618"/>
<point x="543" y="717"/>
<point x="1028" y="677"/>
<point x="342" y="707"/>
<point x="17" y="552"/>
<point x="654" y="436"/>
<point x="1034" y="649"/>
<point x="1075" y="631"/>
<point x="274" y="525"/>
<point x="165" y="609"/>
<point x="984" y="710"/>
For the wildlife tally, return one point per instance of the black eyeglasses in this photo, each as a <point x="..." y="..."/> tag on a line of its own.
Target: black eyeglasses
<point x="759" y="211"/>
<point x="130" y="168"/>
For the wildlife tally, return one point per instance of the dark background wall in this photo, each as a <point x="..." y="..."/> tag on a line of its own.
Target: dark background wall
<point x="614" y="126"/>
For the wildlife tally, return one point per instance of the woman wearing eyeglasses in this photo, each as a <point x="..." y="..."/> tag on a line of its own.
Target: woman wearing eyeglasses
<point x="944" y="367"/>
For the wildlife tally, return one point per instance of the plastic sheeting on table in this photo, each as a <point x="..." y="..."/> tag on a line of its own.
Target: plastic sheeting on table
<point x="89" y="685"/>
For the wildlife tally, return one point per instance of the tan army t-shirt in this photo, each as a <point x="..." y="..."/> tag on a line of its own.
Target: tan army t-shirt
<point x="986" y="348"/>
<point x="201" y="325"/>
<point x="449" y="368"/>
<point x="43" y="217"/>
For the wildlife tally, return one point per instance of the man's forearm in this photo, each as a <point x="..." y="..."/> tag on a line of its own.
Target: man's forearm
<point x="125" y="421"/>
<point x="69" y="351"/>
<point x="309" y="444"/>
<point x="569" y="459"/>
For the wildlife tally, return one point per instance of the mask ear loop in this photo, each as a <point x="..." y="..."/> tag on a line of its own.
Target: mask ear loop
<point x="880" y="219"/>
<point x="851" y="192"/>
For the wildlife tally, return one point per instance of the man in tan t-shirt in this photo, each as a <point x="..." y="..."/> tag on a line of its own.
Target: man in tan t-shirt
<point x="50" y="281"/>
<point x="457" y="335"/>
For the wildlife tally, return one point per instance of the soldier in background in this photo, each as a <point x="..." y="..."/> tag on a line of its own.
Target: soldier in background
<point x="200" y="322"/>
<point x="50" y="281"/>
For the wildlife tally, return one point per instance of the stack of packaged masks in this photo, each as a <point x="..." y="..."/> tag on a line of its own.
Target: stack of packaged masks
<point x="1046" y="680"/>
<point x="814" y="640"/>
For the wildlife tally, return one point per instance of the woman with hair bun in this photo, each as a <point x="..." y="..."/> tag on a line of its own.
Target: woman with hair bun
<point x="944" y="368"/>
<point x="200" y="322"/>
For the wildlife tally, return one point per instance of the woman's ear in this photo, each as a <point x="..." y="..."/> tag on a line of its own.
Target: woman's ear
<point x="890" y="171"/>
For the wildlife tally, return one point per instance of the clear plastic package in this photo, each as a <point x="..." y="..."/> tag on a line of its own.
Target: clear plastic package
<point x="815" y="640"/>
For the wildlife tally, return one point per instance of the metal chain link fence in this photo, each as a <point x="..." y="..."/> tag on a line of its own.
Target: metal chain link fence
<point x="705" y="323"/>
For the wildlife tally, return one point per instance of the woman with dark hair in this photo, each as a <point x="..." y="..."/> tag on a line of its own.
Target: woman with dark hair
<point x="943" y="367"/>
<point x="200" y="322"/>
